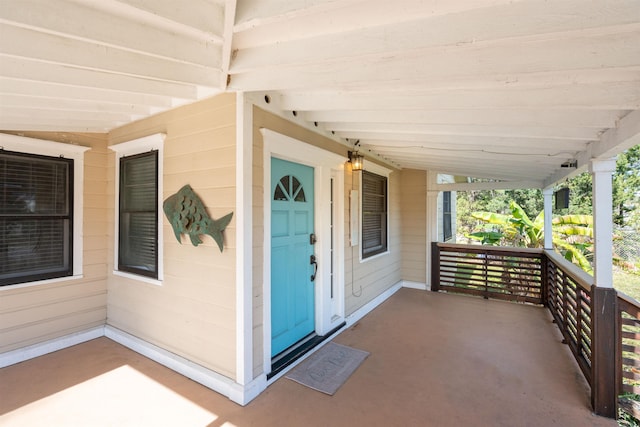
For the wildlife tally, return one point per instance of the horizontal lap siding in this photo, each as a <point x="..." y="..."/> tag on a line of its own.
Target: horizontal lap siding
<point x="193" y="312"/>
<point x="366" y="280"/>
<point x="413" y="204"/>
<point x="35" y="314"/>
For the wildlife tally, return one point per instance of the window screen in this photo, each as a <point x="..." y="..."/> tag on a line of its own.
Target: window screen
<point x="374" y="214"/>
<point x="138" y="210"/>
<point x="36" y="223"/>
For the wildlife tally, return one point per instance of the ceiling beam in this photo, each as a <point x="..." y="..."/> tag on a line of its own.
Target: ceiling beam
<point x="24" y="69"/>
<point x="477" y="171"/>
<point x="230" y="9"/>
<point x="515" y="164"/>
<point x="42" y="123"/>
<point x="612" y="96"/>
<point x="256" y="13"/>
<point x="48" y="90"/>
<point x="611" y="51"/>
<point x="477" y="27"/>
<point x="613" y="142"/>
<point x="515" y="148"/>
<point x="66" y="116"/>
<point x="393" y="140"/>
<point x="96" y="106"/>
<point x="203" y="19"/>
<point x="74" y="53"/>
<point x="492" y="185"/>
<point x="500" y="81"/>
<point x="44" y="17"/>
<point x="432" y="130"/>
<point x="260" y="22"/>
<point x="514" y="117"/>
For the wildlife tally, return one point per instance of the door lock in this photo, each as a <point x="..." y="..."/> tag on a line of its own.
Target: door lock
<point x="312" y="239"/>
<point x="313" y="261"/>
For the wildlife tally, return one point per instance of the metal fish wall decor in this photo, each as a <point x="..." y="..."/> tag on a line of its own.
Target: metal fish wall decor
<point x="187" y="215"/>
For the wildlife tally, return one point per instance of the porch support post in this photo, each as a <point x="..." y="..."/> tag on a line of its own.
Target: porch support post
<point x="435" y="266"/>
<point x="548" y="216"/>
<point x="604" y="297"/>
<point x="243" y="392"/>
<point x="432" y="223"/>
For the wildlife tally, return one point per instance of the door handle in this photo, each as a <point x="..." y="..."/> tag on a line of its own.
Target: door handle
<point x="313" y="261"/>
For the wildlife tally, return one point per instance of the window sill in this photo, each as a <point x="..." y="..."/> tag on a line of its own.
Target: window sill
<point x="138" y="278"/>
<point x="373" y="257"/>
<point x="41" y="282"/>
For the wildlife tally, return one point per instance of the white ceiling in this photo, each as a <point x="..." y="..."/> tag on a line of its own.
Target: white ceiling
<point x="501" y="89"/>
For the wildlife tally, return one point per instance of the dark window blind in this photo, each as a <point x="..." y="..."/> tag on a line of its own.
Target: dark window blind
<point x="36" y="217"/>
<point x="374" y="214"/>
<point x="138" y="210"/>
<point x="446" y="215"/>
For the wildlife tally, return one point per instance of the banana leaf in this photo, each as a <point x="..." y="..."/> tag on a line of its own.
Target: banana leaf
<point x="574" y="230"/>
<point x="486" y="237"/>
<point x="573" y="254"/>
<point x="491" y="218"/>
<point x="524" y="225"/>
<point x="573" y="219"/>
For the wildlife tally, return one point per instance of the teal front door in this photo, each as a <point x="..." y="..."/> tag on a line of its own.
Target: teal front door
<point x="292" y="268"/>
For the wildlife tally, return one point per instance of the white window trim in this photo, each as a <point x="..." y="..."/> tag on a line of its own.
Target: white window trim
<point x="382" y="171"/>
<point x="129" y="148"/>
<point x="21" y="144"/>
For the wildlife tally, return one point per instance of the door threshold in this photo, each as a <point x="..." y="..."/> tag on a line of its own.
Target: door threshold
<point x="281" y="360"/>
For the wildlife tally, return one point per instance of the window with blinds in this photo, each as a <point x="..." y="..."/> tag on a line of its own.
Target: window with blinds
<point x="138" y="215"/>
<point x="374" y="214"/>
<point x="36" y="223"/>
<point x="446" y="216"/>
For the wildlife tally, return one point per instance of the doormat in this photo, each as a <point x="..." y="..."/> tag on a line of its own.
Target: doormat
<point x="328" y="368"/>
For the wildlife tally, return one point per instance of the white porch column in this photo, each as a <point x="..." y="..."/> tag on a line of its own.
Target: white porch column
<point x="548" y="216"/>
<point x="604" y="310"/>
<point x="601" y="172"/>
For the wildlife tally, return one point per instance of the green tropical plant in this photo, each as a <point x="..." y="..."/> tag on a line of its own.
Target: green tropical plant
<point x="572" y="234"/>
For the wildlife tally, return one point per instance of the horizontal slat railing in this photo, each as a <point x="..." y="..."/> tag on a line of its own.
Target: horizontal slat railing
<point x="628" y="319"/>
<point x="513" y="274"/>
<point x="569" y="301"/>
<point x="605" y="341"/>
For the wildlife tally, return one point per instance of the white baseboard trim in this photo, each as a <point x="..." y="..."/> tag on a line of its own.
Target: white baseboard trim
<point x="238" y="393"/>
<point x="244" y="394"/>
<point x="198" y="373"/>
<point x="368" y="307"/>
<point x="415" y="285"/>
<point x="36" y="350"/>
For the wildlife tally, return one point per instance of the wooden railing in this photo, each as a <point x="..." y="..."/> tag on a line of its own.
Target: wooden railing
<point x="513" y="274"/>
<point x="600" y="326"/>
<point x="569" y="301"/>
<point x="628" y="353"/>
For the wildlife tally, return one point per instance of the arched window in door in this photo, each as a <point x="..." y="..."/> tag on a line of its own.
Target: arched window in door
<point x="289" y="188"/>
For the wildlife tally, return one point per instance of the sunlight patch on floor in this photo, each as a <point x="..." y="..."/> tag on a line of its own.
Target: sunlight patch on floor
<point x="121" y="397"/>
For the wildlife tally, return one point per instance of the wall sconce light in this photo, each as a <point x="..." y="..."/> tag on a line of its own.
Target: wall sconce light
<point x="357" y="161"/>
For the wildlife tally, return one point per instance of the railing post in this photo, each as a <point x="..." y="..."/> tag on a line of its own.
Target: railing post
<point x="435" y="266"/>
<point x="544" y="282"/>
<point x="486" y="275"/>
<point x="603" y="351"/>
<point x="565" y="304"/>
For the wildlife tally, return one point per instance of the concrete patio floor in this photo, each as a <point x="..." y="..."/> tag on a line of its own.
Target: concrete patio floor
<point x="436" y="360"/>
